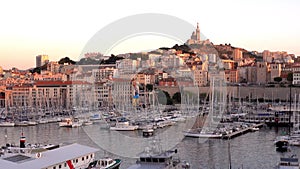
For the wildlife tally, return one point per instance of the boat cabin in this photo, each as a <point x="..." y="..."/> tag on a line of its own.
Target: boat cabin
<point x="288" y="163"/>
<point x="105" y="162"/>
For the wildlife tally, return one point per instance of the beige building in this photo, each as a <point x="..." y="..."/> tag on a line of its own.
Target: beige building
<point x="237" y="54"/>
<point x="200" y="77"/>
<point x="46" y="97"/>
<point x="267" y="56"/>
<point x="122" y="94"/>
<point x="262" y="72"/>
<point x="228" y="64"/>
<point x="247" y="73"/>
<point x="231" y="76"/>
<point x="53" y="67"/>
<point x="275" y="71"/>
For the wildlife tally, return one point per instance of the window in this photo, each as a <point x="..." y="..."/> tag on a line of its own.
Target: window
<point x="82" y="158"/>
<point x="54" y="167"/>
<point x="59" y="166"/>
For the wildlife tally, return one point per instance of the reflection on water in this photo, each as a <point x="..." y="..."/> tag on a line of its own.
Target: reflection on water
<point x="252" y="150"/>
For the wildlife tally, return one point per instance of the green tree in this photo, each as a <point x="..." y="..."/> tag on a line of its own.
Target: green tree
<point x="177" y="97"/>
<point x="277" y="79"/>
<point x="290" y="77"/>
<point x="149" y="87"/>
<point x="164" y="98"/>
<point x="66" y="60"/>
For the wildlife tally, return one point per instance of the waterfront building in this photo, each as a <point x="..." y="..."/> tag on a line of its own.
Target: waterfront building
<point x="231" y="76"/>
<point x="296" y="78"/>
<point x="121" y="93"/>
<point x="103" y="92"/>
<point x="42" y="97"/>
<point x="200" y="77"/>
<point x="247" y="73"/>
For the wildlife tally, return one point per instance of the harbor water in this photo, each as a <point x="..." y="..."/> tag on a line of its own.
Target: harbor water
<point x="252" y="150"/>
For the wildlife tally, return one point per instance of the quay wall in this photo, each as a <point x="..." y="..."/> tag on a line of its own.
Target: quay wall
<point x="253" y="92"/>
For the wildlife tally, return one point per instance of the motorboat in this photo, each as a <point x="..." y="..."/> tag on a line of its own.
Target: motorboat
<point x="105" y="163"/>
<point x="7" y="124"/>
<point x="282" y="143"/>
<point x="289" y="163"/>
<point x="66" y="122"/>
<point x="123" y="125"/>
<point x="147" y="132"/>
<point x="153" y="158"/>
<point x="199" y="133"/>
<point x="253" y="129"/>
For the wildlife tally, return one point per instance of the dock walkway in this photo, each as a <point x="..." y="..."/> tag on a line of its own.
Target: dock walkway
<point x="242" y="131"/>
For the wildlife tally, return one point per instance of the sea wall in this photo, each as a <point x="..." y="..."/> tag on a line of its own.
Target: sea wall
<point x="253" y="92"/>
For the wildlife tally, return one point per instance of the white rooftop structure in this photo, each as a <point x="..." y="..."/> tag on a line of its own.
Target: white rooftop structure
<point x="49" y="158"/>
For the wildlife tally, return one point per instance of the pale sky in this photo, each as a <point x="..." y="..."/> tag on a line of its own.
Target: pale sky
<point x="62" y="28"/>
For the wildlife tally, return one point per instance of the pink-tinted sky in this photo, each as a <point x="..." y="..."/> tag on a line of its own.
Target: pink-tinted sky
<point x="62" y="28"/>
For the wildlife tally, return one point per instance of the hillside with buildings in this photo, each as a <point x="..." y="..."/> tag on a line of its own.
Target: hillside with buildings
<point x="98" y="81"/>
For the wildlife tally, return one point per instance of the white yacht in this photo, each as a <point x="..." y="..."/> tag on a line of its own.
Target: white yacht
<point x="66" y="122"/>
<point x="124" y="126"/>
<point x="7" y="124"/>
<point x="202" y="134"/>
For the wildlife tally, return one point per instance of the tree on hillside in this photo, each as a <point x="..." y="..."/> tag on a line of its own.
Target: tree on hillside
<point x="277" y="79"/>
<point x="149" y="87"/>
<point x="36" y="70"/>
<point x="290" y="77"/>
<point x="164" y="98"/>
<point x="112" y="59"/>
<point x="177" y="97"/>
<point x="88" y="61"/>
<point x="66" y="60"/>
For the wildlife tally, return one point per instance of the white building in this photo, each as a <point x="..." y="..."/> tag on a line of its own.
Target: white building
<point x="296" y="78"/>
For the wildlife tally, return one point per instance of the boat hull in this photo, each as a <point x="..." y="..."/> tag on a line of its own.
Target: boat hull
<point x="202" y="135"/>
<point x="7" y="124"/>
